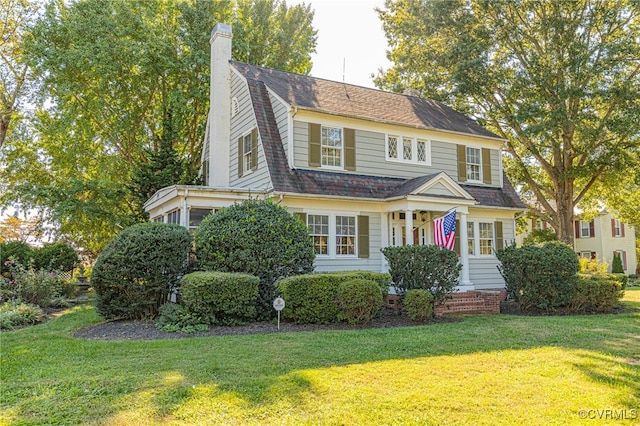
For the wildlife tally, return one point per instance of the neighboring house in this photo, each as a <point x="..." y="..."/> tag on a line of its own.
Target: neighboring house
<point x="363" y="168"/>
<point x="599" y="239"/>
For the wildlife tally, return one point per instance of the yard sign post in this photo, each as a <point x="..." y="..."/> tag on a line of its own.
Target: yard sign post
<point x="278" y="305"/>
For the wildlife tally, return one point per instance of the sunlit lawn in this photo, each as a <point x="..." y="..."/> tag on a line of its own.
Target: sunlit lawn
<point x="498" y="369"/>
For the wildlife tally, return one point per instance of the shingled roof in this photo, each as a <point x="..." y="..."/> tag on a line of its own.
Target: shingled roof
<point x="319" y="182"/>
<point x="337" y="98"/>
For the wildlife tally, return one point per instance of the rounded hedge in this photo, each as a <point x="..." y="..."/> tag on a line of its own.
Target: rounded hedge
<point x="540" y="278"/>
<point x="419" y="305"/>
<point x="259" y="238"/>
<point x="220" y="297"/>
<point x="138" y="269"/>
<point x="359" y="300"/>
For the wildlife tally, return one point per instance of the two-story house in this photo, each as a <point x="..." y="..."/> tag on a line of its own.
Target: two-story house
<point x="364" y="168"/>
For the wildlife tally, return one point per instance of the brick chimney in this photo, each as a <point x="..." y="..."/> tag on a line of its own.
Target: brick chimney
<point x="220" y="106"/>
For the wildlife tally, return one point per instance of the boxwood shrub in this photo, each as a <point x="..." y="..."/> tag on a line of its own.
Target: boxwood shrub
<point x="220" y="297"/>
<point x="137" y="270"/>
<point x="259" y="238"/>
<point x="312" y="298"/>
<point x="418" y="303"/>
<point x="359" y="300"/>
<point x="540" y="278"/>
<point x="428" y="267"/>
<point x="597" y="293"/>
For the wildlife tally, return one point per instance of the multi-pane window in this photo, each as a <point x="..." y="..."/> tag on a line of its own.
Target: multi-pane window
<point x="319" y="230"/>
<point x="158" y="219"/>
<point x="617" y="228"/>
<point x="485" y="238"/>
<point x="407" y="151"/>
<point x="392" y="147"/>
<point x="345" y="235"/>
<point x="197" y="215"/>
<point x="174" y="217"/>
<point x="331" y="142"/>
<point x="474" y="163"/>
<point x="422" y="151"/>
<point x="246" y="153"/>
<point x="470" y="238"/>
<point x="584" y="229"/>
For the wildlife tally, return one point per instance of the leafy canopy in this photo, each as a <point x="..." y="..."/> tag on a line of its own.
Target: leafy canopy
<point x="558" y="80"/>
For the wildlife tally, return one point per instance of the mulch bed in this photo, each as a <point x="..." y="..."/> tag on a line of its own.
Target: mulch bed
<point x="146" y="330"/>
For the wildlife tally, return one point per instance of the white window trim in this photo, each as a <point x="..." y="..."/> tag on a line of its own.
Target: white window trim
<point x="582" y="228"/>
<point x="466" y="162"/>
<point x="325" y="166"/>
<point x="245" y="171"/>
<point x="476" y="239"/>
<point x="618" y="228"/>
<point x="414" y="149"/>
<point x="331" y="242"/>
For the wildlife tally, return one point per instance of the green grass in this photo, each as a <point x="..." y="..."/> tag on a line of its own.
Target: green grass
<point x="498" y="369"/>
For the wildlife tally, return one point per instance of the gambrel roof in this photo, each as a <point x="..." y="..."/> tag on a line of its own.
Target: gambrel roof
<point x="348" y="100"/>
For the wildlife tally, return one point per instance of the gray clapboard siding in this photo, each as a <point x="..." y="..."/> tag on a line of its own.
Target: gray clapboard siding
<point x="371" y="156"/>
<point x="241" y="124"/>
<point x="484" y="274"/>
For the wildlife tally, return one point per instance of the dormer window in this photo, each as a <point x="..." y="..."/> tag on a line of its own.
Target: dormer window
<point x="331" y="142"/>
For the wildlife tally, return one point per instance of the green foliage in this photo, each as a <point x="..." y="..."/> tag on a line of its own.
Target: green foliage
<point x="592" y="265"/>
<point x="539" y="236"/>
<point x="616" y="265"/>
<point x="539" y="278"/>
<point x="359" y="300"/>
<point x="110" y="72"/>
<point x="15" y="314"/>
<point x="16" y="250"/>
<point x="259" y="238"/>
<point x="419" y="304"/>
<point x="139" y="268"/>
<point x="219" y="297"/>
<point x="598" y="293"/>
<point x="429" y="267"/>
<point x="56" y="256"/>
<point x="312" y="298"/>
<point x="555" y="79"/>
<point x="34" y="286"/>
<point x="175" y="317"/>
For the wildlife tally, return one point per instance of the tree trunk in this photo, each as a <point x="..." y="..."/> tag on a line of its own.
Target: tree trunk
<point x="564" y="203"/>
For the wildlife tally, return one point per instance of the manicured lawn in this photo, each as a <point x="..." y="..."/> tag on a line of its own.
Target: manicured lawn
<point x="497" y="369"/>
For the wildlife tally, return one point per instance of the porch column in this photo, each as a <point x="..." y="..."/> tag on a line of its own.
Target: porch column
<point x="408" y="225"/>
<point x="384" y="239"/>
<point x="465" y="283"/>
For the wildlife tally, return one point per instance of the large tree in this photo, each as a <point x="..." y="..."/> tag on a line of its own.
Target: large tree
<point x="111" y="70"/>
<point x="559" y="80"/>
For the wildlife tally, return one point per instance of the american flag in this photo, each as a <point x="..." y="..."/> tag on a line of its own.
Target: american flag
<point x="444" y="230"/>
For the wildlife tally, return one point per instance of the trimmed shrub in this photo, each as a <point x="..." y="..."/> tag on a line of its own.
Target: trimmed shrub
<point x="259" y="238"/>
<point x="616" y="265"/>
<point x="56" y="256"/>
<point x="430" y="267"/>
<point x="137" y="270"/>
<point x="220" y="297"/>
<point x="539" y="278"/>
<point x="597" y="293"/>
<point x="15" y="314"/>
<point x="539" y="236"/>
<point x="418" y="304"/>
<point x="312" y="298"/>
<point x="359" y="300"/>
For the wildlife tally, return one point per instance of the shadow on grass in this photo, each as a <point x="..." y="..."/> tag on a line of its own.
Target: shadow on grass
<point x="255" y="372"/>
